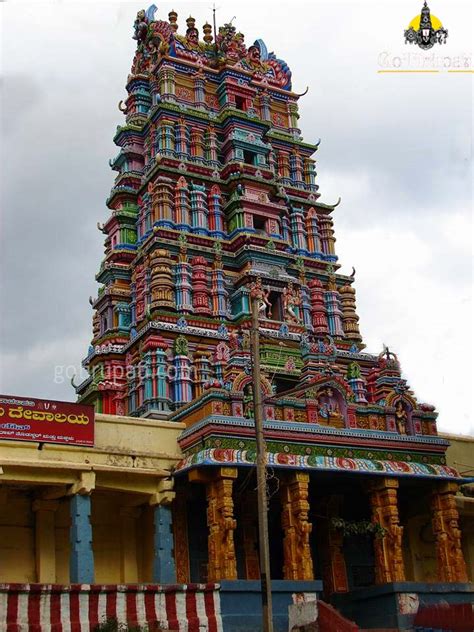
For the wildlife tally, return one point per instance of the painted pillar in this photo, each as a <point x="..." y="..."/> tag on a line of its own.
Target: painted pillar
<point x="167" y="78"/>
<point x="199" y="210"/>
<point x="81" y="560"/>
<point x="265" y="106"/>
<point x="298" y="231"/>
<point x="197" y="143"/>
<point x="45" y="541"/>
<point x="297" y="560"/>
<point x="285" y="227"/>
<point x="216" y="216"/>
<point x="445" y="521"/>
<point x="182" y="139"/>
<point x="162" y="385"/>
<point x="314" y="243"/>
<point x="219" y="294"/>
<point x="327" y="236"/>
<point x="293" y="116"/>
<point x="167" y="137"/>
<point x="389" y="565"/>
<point x="211" y="144"/>
<point x="162" y="201"/>
<point x="181" y="543"/>
<point x="296" y="167"/>
<point x="182" y="383"/>
<point x="164" y="570"/>
<point x="350" y="320"/>
<point x="161" y="279"/>
<point x="128" y="544"/>
<point x="199" y="92"/>
<point x="333" y="307"/>
<point x="221" y="523"/>
<point x="334" y="314"/>
<point x="318" y="307"/>
<point x="310" y="173"/>
<point x="201" y="293"/>
<point x="202" y="366"/>
<point x="183" y="286"/>
<point x="283" y="162"/>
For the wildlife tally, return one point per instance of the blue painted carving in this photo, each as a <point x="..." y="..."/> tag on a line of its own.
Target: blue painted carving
<point x="164" y="571"/>
<point x="81" y="557"/>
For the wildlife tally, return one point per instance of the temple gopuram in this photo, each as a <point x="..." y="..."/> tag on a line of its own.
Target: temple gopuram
<point x="215" y="197"/>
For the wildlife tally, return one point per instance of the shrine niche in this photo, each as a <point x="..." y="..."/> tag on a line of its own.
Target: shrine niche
<point x="331" y="406"/>
<point x="401" y="420"/>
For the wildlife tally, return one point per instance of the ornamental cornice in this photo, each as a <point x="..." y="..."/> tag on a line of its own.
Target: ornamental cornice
<point x="315" y="429"/>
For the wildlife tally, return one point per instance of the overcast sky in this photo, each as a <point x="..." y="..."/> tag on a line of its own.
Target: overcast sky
<point x="395" y="147"/>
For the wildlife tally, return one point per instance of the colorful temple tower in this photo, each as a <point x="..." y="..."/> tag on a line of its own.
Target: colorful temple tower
<point x="215" y="194"/>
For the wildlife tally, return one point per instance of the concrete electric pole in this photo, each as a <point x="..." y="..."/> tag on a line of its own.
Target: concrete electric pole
<point x="264" y="550"/>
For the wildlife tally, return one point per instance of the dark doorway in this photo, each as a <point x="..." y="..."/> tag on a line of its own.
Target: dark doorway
<point x="276" y="310"/>
<point x="197" y="534"/>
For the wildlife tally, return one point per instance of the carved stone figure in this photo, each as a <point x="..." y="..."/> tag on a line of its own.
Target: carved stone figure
<point x="140" y="26"/>
<point x="230" y="43"/>
<point x="298" y="563"/>
<point x="261" y="294"/>
<point x="291" y="302"/>
<point x="221" y="523"/>
<point x="401" y="418"/>
<point x="451" y="564"/>
<point x="389" y="565"/>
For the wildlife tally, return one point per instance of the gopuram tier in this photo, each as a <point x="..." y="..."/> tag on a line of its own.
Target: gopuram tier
<point x="216" y="193"/>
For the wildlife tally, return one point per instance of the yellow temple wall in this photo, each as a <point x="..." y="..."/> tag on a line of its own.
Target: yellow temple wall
<point x="123" y="473"/>
<point x="17" y="539"/>
<point x="460" y="455"/>
<point x="420" y="554"/>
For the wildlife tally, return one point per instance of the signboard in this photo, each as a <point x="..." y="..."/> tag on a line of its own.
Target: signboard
<point x="46" y="421"/>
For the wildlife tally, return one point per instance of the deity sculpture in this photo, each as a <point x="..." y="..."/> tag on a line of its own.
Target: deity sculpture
<point x="248" y="401"/>
<point x="230" y="43"/>
<point x="401" y="417"/>
<point x="329" y="408"/>
<point x="191" y="40"/>
<point x="140" y="26"/>
<point x="261" y="294"/>
<point x="291" y="303"/>
<point x="252" y="61"/>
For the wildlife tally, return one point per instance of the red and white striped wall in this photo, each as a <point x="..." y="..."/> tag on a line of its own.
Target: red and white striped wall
<point x="80" y="607"/>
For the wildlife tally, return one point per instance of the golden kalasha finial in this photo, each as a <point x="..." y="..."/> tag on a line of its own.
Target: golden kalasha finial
<point x="191" y="22"/>
<point x="207" y="28"/>
<point x="173" y="16"/>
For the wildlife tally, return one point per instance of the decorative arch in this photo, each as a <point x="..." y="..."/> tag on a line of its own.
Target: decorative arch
<point x="242" y="379"/>
<point x="334" y="382"/>
<point x="393" y="397"/>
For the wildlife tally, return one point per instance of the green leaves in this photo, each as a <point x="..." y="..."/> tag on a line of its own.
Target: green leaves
<point x="361" y="527"/>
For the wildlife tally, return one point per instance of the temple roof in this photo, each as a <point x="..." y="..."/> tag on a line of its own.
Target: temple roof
<point x="226" y="48"/>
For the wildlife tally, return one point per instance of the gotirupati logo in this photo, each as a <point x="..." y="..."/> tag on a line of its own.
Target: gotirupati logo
<point x="425" y="30"/>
